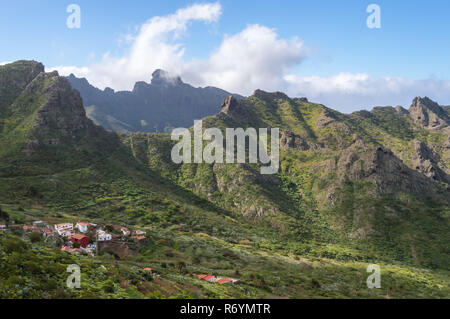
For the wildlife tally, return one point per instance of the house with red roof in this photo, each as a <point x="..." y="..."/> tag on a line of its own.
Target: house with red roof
<point x="210" y="278"/>
<point x="223" y="281"/>
<point x="80" y="239"/>
<point x="47" y="232"/>
<point x="82" y="226"/>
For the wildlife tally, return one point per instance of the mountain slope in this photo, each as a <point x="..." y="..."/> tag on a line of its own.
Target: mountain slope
<point x="349" y="193"/>
<point x="338" y="181"/>
<point x="163" y="104"/>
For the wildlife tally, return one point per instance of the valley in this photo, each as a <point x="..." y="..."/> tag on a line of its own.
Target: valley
<point x="352" y="190"/>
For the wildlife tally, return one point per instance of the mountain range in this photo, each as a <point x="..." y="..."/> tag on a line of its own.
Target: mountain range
<point x="352" y="190"/>
<point x="161" y="105"/>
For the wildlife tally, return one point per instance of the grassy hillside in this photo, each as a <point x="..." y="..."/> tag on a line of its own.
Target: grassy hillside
<point x="350" y="192"/>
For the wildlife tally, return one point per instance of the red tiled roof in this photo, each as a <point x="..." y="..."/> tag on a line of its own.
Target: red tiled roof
<point x="79" y="236"/>
<point x="147" y="269"/>
<point x="83" y="223"/>
<point x="201" y="276"/>
<point x="224" y="281"/>
<point x="65" y="248"/>
<point x="208" y="277"/>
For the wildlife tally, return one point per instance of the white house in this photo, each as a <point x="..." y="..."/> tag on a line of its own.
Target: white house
<point x="125" y="232"/>
<point x="38" y="223"/>
<point x="103" y="236"/>
<point x="82" y="227"/>
<point x="2" y="227"/>
<point x="64" y="226"/>
<point x="64" y="230"/>
<point x="140" y="232"/>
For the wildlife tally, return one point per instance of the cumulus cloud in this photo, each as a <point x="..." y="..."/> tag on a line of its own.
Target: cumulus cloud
<point x="3" y="63"/>
<point x="349" y="91"/>
<point x="254" y="58"/>
<point x="155" y="46"/>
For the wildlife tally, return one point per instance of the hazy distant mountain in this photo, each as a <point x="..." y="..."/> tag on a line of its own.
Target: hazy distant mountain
<point x="163" y="104"/>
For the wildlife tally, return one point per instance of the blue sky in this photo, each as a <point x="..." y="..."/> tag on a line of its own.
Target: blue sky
<point x="340" y="58"/>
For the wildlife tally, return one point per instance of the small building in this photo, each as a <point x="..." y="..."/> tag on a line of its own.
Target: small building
<point x="80" y="239"/>
<point x="47" y="232"/>
<point x="64" y="226"/>
<point x="103" y="236"/>
<point x="3" y="227"/>
<point x="27" y="228"/>
<point x="149" y="270"/>
<point x="210" y="278"/>
<point x="64" y="232"/>
<point x="82" y="227"/>
<point x="125" y="231"/>
<point x="140" y="232"/>
<point x="65" y="248"/>
<point x="38" y="223"/>
<point x="223" y="281"/>
<point x="76" y="251"/>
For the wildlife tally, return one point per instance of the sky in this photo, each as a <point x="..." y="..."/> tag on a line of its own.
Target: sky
<point x="322" y="49"/>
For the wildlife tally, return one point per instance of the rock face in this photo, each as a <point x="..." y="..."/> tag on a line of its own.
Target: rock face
<point x="63" y="111"/>
<point x="290" y="140"/>
<point x="429" y="162"/>
<point x="231" y="107"/>
<point x="428" y="114"/>
<point x="164" y="103"/>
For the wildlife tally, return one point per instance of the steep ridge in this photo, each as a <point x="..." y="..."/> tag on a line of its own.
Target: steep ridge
<point x="164" y="103"/>
<point x="338" y="177"/>
<point x="350" y="187"/>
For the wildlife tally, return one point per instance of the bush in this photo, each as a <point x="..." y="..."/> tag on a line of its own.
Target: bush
<point x="14" y="245"/>
<point x="35" y="237"/>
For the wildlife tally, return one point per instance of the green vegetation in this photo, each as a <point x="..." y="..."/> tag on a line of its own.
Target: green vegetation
<point x="340" y="202"/>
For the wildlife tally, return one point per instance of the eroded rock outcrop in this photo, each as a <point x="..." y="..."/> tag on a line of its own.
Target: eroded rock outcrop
<point x="428" y="114"/>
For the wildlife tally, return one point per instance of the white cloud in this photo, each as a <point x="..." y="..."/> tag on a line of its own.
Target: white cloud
<point x="255" y="58"/>
<point x="3" y="63"/>
<point x="350" y="92"/>
<point x="154" y="47"/>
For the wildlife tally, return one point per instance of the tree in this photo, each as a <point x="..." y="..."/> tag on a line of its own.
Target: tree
<point x="4" y="216"/>
<point x="35" y="237"/>
<point x="181" y="265"/>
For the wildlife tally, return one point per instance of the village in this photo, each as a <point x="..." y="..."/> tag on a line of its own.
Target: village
<point x="84" y="238"/>
<point x="81" y="238"/>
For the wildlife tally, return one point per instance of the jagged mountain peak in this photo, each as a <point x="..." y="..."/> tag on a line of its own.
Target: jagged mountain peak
<point x="162" y="77"/>
<point x="157" y="106"/>
<point x="428" y="114"/>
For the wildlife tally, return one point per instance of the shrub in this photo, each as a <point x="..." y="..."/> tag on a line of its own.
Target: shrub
<point x="35" y="237"/>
